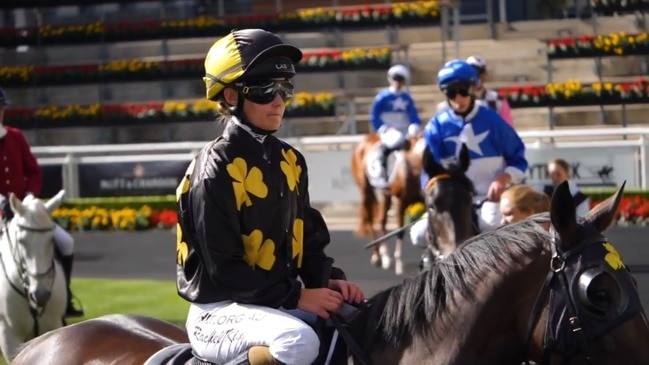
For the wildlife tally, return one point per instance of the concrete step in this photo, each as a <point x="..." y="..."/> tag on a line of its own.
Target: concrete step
<point x="553" y="28"/>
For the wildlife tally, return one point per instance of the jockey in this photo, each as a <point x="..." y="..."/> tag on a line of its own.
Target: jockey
<point x="394" y="116"/>
<point x="489" y="97"/>
<point x="24" y="177"/>
<point x="497" y="154"/>
<point x="246" y="229"/>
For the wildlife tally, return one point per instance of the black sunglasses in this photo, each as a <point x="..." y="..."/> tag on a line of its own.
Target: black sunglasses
<point x="264" y="93"/>
<point x="452" y="93"/>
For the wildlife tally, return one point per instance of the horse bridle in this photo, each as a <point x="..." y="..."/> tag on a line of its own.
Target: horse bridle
<point x="431" y="233"/>
<point x="19" y="261"/>
<point x="569" y="329"/>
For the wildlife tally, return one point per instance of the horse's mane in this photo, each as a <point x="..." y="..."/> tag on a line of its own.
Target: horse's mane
<point x="413" y="307"/>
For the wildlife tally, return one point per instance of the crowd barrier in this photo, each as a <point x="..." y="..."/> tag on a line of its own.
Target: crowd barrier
<point x="599" y="157"/>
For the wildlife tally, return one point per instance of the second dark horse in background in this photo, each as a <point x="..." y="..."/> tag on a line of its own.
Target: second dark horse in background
<point x="449" y="205"/>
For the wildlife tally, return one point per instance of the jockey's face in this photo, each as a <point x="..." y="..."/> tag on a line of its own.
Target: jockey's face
<point x="264" y="114"/>
<point x="459" y="97"/>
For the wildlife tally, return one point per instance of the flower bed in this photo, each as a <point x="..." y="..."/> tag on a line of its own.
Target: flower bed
<point x="614" y="44"/>
<point x="410" y="13"/>
<point x="574" y="93"/>
<point x="633" y="210"/>
<point x="304" y="104"/>
<point x="101" y="219"/>
<point x="137" y="70"/>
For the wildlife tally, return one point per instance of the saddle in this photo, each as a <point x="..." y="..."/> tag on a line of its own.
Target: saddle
<point x="374" y="167"/>
<point x="182" y="354"/>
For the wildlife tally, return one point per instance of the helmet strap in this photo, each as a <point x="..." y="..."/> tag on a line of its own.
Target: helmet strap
<point x="237" y="111"/>
<point x="469" y="109"/>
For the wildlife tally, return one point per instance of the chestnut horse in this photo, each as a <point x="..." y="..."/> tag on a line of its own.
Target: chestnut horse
<point x="404" y="186"/>
<point x="549" y="289"/>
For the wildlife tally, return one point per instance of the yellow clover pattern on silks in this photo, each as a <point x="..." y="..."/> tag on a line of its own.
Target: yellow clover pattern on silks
<point x="613" y="258"/>
<point x="246" y="181"/>
<point x="257" y="251"/>
<point x="182" y="250"/>
<point x="183" y="187"/>
<point x="290" y="168"/>
<point x="298" y="240"/>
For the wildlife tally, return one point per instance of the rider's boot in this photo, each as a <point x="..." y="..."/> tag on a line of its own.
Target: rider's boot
<point x="260" y="355"/>
<point x="71" y="310"/>
<point x="385" y="153"/>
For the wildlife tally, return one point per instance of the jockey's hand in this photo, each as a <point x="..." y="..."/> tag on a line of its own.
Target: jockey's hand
<point x="497" y="187"/>
<point x="320" y="301"/>
<point x="351" y="292"/>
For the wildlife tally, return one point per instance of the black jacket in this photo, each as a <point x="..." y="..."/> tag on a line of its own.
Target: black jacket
<point x="246" y="227"/>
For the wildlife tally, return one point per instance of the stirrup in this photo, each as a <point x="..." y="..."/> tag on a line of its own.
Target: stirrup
<point x="71" y="310"/>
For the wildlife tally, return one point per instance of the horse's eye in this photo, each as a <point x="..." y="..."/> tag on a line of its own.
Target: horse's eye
<point x="599" y="296"/>
<point x="603" y="294"/>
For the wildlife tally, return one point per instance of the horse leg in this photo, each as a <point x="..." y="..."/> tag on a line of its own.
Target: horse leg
<point x="386" y="260"/>
<point x="367" y="213"/>
<point x="9" y="342"/>
<point x="398" y="263"/>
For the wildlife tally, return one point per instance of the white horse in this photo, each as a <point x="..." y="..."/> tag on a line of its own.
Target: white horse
<point x="32" y="284"/>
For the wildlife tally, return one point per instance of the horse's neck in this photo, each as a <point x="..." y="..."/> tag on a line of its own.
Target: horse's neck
<point x="497" y="321"/>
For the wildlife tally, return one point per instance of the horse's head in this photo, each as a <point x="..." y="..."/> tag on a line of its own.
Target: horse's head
<point x="449" y="202"/>
<point x="30" y="235"/>
<point x="595" y="312"/>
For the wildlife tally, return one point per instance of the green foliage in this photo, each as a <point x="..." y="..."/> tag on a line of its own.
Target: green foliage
<point x="157" y="299"/>
<point x="135" y="202"/>
<point x="599" y="194"/>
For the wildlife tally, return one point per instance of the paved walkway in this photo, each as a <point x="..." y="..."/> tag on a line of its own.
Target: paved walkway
<point x="151" y="255"/>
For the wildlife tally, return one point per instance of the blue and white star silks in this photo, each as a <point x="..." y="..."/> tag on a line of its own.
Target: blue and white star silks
<point x="494" y="146"/>
<point x="469" y="138"/>
<point x="400" y="104"/>
<point x="394" y="109"/>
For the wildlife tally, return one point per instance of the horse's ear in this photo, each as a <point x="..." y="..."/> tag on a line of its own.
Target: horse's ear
<point x="430" y="166"/>
<point x="16" y="204"/>
<point x="563" y="215"/>
<point x="55" y="201"/>
<point x="464" y="158"/>
<point x="603" y="215"/>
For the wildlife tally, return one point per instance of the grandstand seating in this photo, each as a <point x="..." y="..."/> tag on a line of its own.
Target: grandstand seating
<point x="517" y="57"/>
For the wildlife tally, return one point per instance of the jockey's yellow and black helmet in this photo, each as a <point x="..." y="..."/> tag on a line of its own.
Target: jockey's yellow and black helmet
<point x="247" y="54"/>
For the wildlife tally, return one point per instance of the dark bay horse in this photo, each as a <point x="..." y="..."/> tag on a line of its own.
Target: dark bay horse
<point x="449" y="203"/>
<point x="550" y="289"/>
<point x="404" y="187"/>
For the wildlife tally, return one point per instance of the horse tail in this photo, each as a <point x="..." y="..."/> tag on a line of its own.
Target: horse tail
<point x="369" y="207"/>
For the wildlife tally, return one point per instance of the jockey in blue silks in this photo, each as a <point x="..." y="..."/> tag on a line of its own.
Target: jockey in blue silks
<point x="394" y="116"/>
<point x="496" y="151"/>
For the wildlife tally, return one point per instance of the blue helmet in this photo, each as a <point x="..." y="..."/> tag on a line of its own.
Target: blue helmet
<point x="456" y="71"/>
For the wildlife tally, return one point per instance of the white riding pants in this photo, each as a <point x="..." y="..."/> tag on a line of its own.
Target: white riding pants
<point x="224" y="331"/>
<point x="488" y="219"/>
<point x="63" y="240"/>
<point x="392" y="138"/>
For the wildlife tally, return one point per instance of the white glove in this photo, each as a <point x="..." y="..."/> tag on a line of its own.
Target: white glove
<point x="413" y="130"/>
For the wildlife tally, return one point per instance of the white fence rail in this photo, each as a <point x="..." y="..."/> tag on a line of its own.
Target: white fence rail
<point x="606" y="156"/>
